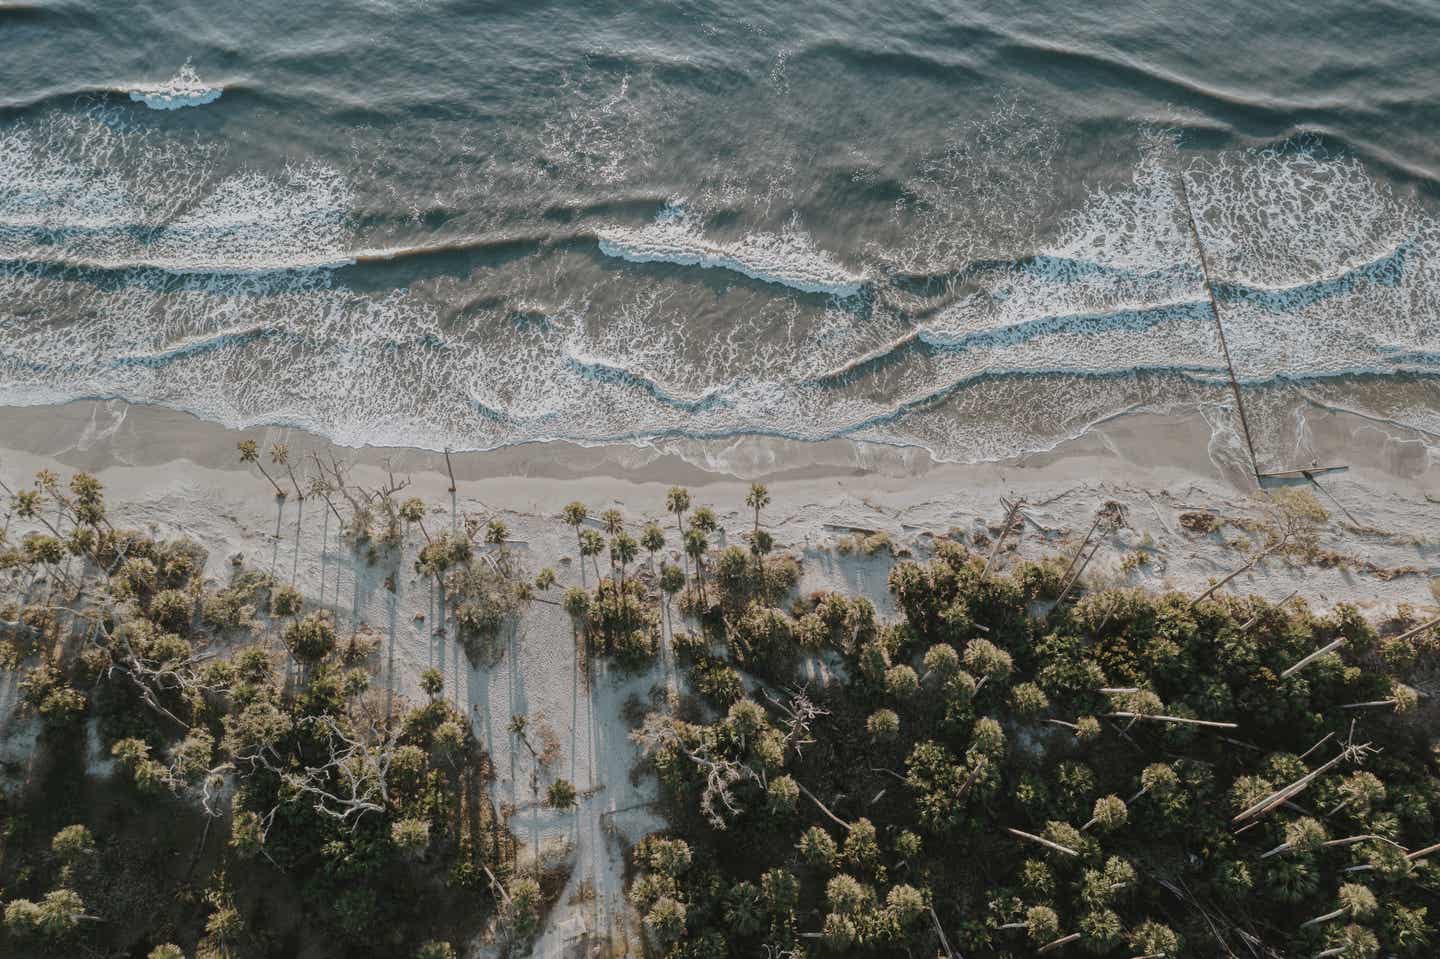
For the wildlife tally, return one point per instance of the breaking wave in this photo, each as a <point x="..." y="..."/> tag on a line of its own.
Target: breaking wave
<point x="185" y="89"/>
<point x="158" y="271"/>
<point x="789" y="258"/>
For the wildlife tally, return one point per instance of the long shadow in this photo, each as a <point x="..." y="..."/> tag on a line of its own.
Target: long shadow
<point x="574" y="698"/>
<point x="324" y="555"/>
<point x="295" y="561"/>
<point x="477" y="682"/>
<point x="275" y="540"/>
<point x="392" y="604"/>
<point x="340" y="565"/>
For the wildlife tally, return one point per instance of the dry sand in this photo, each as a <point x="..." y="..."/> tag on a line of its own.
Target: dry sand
<point x="175" y="474"/>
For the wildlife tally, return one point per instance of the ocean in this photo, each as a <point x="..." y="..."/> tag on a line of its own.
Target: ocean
<point x="958" y="226"/>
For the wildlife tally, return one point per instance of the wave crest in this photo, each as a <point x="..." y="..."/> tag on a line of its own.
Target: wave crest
<point x="788" y="259"/>
<point x="184" y="89"/>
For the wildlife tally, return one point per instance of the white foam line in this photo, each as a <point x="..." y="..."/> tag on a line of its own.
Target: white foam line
<point x="185" y="89"/>
<point x="787" y="259"/>
<point x="186" y="267"/>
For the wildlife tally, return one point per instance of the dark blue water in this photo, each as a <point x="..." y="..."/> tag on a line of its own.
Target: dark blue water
<point x="957" y="226"/>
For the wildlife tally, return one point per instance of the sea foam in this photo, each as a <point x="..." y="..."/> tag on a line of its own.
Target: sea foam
<point x="788" y="259"/>
<point x="185" y="89"/>
<point x="1106" y="315"/>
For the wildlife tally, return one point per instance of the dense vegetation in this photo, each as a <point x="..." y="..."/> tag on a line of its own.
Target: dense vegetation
<point x="268" y="796"/>
<point x="1123" y="775"/>
<point x="1010" y="764"/>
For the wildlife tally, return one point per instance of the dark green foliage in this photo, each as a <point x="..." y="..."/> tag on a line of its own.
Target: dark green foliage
<point x="938" y="743"/>
<point x="338" y="830"/>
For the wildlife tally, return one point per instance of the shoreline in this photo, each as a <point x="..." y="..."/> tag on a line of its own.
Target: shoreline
<point x="174" y="474"/>
<point x="97" y="434"/>
<point x="173" y="471"/>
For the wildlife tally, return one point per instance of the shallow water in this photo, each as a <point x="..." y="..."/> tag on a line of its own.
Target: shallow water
<point x="953" y="225"/>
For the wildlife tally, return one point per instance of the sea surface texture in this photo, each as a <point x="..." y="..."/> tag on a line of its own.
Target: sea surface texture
<point x="962" y="226"/>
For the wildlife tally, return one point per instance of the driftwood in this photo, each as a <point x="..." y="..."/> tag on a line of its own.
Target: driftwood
<point x="1419" y="854"/>
<point x="823" y="808"/>
<point x="940" y="931"/>
<point x="1278" y="798"/>
<point x="1245" y="627"/>
<point x="1172" y="719"/>
<point x="1009" y="524"/>
<point x="1044" y="842"/>
<point x="1327" y="648"/>
<point x="1418" y="629"/>
<point x="1058" y="942"/>
<point x="1112" y="514"/>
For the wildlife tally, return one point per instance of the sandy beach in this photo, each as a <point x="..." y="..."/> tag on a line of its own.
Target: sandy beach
<point x="178" y="475"/>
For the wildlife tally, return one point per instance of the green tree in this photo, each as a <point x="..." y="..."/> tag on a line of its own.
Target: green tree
<point x="677" y="501"/>
<point x="1110" y="814"/>
<point x="561" y="795"/>
<point x="52" y="920"/>
<point x="286" y="601"/>
<point x="696" y="545"/>
<point x="411" y="836"/>
<point x="591" y="544"/>
<point x="310" y="639"/>
<point x="1154" y="938"/>
<point x="901" y="682"/>
<point x="280" y="456"/>
<point x="883" y="725"/>
<point x="412" y="511"/>
<point x="666" y="919"/>
<point x="653" y="539"/>
<point x="623" y="550"/>
<point x="575" y="515"/>
<point x="757" y="499"/>
<point x="73" y="846"/>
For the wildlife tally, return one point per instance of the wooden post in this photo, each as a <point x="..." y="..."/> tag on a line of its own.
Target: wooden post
<point x="1219" y="327"/>
<point x="449" y="470"/>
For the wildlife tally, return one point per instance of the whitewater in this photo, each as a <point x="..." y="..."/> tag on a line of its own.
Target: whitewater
<point x="155" y="270"/>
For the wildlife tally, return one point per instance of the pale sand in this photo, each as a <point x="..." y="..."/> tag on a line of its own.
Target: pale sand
<point x="177" y="474"/>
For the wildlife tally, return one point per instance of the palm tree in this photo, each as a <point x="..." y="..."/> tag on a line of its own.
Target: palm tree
<point x="695" y="547"/>
<point x="758" y="499"/>
<point x="591" y="543"/>
<point x="761" y="547"/>
<point x="413" y="511"/>
<point x="704" y="520"/>
<point x="613" y="523"/>
<point x="623" y="549"/>
<point x="653" y="539"/>
<point x="250" y="453"/>
<point x="575" y="514"/>
<point x="677" y="501"/>
<point x="671" y="581"/>
<point x="561" y="795"/>
<point x="280" y="456"/>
